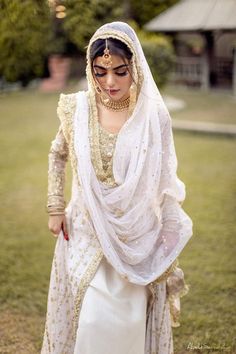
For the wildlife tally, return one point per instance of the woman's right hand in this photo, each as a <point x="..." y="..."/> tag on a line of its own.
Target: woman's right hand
<point x="56" y="223"/>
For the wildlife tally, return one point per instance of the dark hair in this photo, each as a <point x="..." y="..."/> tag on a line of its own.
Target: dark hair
<point x="116" y="47"/>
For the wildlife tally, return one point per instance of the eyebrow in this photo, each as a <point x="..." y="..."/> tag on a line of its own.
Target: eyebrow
<point x="117" y="67"/>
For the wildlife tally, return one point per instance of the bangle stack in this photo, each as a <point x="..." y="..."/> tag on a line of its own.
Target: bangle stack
<point x="55" y="205"/>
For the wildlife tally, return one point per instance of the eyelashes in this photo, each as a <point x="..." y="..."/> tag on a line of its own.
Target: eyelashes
<point x="124" y="73"/>
<point x="99" y="75"/>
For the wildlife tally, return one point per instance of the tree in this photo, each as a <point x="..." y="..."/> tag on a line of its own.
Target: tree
<point x="29" y="32"/>
<point x="83" y="17"/>
<point x="158" y="51"/>
<point x="144" y="11"/>
<point x="24" y="28"/>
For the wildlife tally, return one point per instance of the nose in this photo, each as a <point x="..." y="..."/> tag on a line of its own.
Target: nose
<point x="110" y="80"/>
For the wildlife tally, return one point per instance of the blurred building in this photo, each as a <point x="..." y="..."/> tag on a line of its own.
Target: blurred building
<point x="204" y="37"/>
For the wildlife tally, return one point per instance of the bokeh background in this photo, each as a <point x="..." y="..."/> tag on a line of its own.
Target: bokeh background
<point x="190" y="46"/>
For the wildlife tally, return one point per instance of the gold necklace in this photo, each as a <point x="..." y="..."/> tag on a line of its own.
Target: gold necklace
<point x="115" y="105"/>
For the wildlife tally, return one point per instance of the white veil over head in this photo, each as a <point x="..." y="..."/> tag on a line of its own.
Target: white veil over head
<point x="139" y="223"/>
<point x="141" y="71"/>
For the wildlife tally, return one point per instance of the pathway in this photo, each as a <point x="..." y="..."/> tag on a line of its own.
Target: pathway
<point x="174" y="104"/>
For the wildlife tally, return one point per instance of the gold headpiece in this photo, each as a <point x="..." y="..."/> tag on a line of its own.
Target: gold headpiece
<point x="106" y="58"/>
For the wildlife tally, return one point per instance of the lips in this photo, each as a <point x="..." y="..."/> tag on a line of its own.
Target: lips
<point x="112" y="91"/>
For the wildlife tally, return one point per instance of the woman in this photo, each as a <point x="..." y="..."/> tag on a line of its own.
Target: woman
<point x="115" y="284"/>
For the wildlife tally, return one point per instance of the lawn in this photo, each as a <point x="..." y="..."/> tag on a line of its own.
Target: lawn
<point x="215" y="106"/>
<point x="207" y="166"/>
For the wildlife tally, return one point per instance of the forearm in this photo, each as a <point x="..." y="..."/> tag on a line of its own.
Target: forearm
<point x="57" y="158"/>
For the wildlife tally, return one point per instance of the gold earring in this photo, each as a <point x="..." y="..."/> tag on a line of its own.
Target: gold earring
<point x="98" y="90"/>
<point x="133" y="98"/>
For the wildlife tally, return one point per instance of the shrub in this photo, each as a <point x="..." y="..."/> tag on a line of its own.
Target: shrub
<point x="160" y="56"/>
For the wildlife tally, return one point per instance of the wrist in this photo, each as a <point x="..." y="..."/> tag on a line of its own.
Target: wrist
<point x="56" y="214"/>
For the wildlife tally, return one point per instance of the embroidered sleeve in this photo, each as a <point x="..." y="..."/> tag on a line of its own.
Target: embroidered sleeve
<point x="65" y="111"/>
<point x="57" y="158"/>
<point x="58" y="155"/>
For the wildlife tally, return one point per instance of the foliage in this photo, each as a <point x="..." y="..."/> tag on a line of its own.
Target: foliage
<point x="84" y="17"/>
<point x="144" y="11"/>
<point x="24" y="26"/>
<point x="29" y="32"/>
<point x="159" y="53"/>
<point x="57" y="38"/>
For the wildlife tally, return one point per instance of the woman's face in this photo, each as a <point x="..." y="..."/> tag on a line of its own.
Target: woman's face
<point x="116" y="80"/>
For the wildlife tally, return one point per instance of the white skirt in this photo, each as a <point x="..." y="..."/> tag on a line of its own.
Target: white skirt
<point x="113" y="315"/>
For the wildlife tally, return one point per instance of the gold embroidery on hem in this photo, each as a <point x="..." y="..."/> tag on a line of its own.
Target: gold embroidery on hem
<point x="84" y="283"/>
<point x="152" y="286"/>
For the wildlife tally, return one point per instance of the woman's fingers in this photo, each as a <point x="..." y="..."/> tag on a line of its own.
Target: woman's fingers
<point x="55" y="224"/>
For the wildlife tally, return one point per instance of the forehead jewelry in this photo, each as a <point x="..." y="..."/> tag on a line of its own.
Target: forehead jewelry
<point x="106" y="58"/>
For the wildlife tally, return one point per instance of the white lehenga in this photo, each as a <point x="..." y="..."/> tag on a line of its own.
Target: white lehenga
<point x="115" y="286"/>
<point x="113" y="315"/>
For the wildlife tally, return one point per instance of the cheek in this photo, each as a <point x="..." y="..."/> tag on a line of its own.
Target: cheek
<point x="98" y="79"/>
<point x="127" y="81"/>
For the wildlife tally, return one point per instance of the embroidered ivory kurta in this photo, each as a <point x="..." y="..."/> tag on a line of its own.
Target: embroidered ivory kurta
<point x="124" y="217"/>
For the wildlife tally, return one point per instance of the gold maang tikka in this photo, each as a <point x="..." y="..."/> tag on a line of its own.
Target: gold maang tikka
<point x="106" y="58"/>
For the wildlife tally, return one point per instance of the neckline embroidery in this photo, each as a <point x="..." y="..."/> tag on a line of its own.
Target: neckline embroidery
<point x="96" y="131"/>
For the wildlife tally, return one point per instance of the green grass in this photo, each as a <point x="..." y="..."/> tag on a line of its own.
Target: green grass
<point x="207" y="166"/>
<point x="213" y="106"/>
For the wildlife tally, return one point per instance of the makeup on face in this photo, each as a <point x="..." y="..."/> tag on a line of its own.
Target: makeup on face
<point x="121" y="70"/>
<point x="114" y="81"/>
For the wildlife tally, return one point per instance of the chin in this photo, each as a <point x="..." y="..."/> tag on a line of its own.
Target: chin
<point x="117" y="98"/>
<point x="121" y="96"/>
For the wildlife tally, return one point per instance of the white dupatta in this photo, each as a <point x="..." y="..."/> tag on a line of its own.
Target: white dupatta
<point x="144" y="168"/>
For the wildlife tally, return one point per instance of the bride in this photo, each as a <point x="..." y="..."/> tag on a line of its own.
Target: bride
<point x="115" y="283"/>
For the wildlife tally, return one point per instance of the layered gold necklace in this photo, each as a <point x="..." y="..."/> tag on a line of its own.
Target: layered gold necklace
<point x="116" y="106"/>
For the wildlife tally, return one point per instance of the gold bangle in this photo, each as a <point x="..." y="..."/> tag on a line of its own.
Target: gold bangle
<point x="56" y="213"/>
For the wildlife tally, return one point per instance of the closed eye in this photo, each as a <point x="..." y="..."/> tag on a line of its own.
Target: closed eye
<point x="124" y="73"/>
<point x="99" y="74"/>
